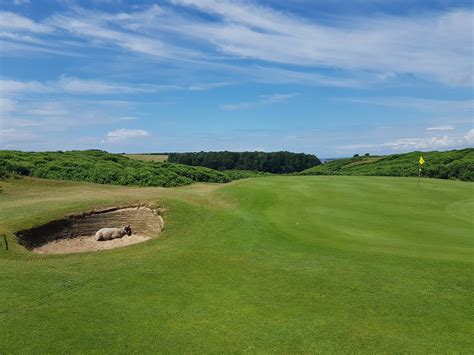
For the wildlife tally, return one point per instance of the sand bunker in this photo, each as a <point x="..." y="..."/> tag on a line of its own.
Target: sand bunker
<point x="75" y="233"/>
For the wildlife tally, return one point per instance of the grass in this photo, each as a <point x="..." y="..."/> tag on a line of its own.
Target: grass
<point x="148" y="157"/>
<point x="275" y="264"/>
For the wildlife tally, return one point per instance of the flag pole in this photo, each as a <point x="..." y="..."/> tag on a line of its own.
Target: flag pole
<point x="421" y="161"/>
<point x="419" y="173"/>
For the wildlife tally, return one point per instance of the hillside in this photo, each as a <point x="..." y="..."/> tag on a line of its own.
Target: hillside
<point x="454" y="164"/>
<point x="104" y="168"/>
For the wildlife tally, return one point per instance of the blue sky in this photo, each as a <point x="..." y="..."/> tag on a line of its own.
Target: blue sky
<point x="328" y="77"/>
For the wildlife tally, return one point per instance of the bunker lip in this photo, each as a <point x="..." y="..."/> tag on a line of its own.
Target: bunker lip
<point x="75" y="233"/>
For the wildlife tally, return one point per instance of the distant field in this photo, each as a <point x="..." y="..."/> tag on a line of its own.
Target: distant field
<point x="276" y="264"/>
<point x="148" y="157"/>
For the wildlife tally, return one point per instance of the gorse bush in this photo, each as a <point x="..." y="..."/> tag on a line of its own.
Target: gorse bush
<point x="454" y="164"/>
<point x="104" y="168"/>
<point x="276" y="162"/>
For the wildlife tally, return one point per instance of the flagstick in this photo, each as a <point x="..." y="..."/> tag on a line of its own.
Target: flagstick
<point x="419" y="173"/>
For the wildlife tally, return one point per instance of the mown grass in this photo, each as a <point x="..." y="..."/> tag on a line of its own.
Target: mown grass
<point x="276" y="264"/>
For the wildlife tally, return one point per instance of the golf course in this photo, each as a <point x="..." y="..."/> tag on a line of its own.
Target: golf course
<point x="347" y="264"/>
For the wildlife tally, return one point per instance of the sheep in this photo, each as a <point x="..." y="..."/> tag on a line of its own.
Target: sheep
<point x="112" y="233"/>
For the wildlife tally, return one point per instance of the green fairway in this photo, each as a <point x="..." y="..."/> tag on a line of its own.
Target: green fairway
<point x="274" y="264"/>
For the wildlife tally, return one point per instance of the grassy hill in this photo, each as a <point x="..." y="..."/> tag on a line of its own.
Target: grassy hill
<point x="276" y="264"/>
<point x="104" y="168"/>
<point x="454" y="164"/>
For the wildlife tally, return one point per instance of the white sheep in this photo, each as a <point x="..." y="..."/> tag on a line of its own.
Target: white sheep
<point x="112" y="233"/>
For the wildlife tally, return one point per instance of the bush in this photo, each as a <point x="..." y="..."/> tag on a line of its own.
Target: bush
<point x="101" y="167"/>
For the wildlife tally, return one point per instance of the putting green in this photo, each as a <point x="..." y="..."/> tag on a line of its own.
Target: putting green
<point x="277" y="264"/>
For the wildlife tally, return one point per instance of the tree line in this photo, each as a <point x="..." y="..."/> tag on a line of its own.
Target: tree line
<point x="275" y="162"/>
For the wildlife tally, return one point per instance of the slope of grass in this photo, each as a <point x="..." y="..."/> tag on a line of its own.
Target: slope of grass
<point x="455" y="164"/>
<point x="103" y="168"/>
<point x="276" y="264"/>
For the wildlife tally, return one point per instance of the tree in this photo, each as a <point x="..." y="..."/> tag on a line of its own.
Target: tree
<point x="275" y="162"/>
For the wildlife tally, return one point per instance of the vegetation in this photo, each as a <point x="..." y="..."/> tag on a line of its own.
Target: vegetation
<point x="149" y="157"/>
<point x="103" y="168"/>
<point x="276" y="264"/>
<point x="276" y="162"/>
<point x="454" y="164"/>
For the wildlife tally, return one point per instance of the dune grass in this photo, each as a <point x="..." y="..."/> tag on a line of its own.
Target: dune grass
<point x="275" y="264"/>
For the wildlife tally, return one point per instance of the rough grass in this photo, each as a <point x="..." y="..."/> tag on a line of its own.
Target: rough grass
<point x="276" y="264"/>
<point x="362" y="161"/>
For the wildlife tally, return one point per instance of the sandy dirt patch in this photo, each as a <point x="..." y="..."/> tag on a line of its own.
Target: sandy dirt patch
<point x="75" y="234"/>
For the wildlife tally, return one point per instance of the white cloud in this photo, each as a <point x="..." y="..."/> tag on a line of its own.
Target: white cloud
<point x="6" y="105"/>
<point x="63" y="114"/>
<point x="469" y="137"/>
<point x="76" y="86"/>
<point x="128" y="118"/>
<point x="263" y="100"/>
<point x="425" y="143"/>
<point x="440" y="128"/>
<point x="419" y="104"/>
<point x="208" y="86"/>
<point x="21" y="2"/>
<point x="12" y="86"/>
<point x="105" y="29"/>
<point x="11" y="21"/>
<point x="434" y="46"/>
<point x="79" y="86"/>
<point x="123" y="135"/>
<point x="11" y="136"/>
<point x="422" y="143"/>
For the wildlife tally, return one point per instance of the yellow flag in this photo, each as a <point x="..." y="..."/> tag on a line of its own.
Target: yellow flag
<point x="421" y="161"/>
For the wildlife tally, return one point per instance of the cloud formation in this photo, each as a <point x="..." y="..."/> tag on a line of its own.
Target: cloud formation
<point x="423" y="143"/>
<point x="123" y="135"/>
<point x="440" y="128"/>
<point x="433" y="46"/>
<point x="418" y="104"/>
<point x="262" y="101"/>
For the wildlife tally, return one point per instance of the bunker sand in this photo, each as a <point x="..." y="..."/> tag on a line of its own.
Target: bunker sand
<point x="75" y="233"/>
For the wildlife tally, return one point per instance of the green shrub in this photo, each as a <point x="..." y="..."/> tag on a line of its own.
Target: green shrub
<point x="104" y="168"/>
